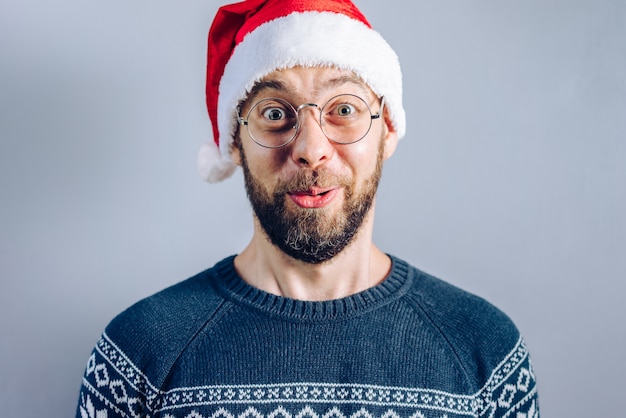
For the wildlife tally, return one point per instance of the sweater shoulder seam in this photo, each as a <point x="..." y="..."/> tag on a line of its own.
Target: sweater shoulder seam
<point x="415" y="303"/>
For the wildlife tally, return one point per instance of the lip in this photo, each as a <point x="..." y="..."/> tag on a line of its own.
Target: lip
<point x="313" y="198"/>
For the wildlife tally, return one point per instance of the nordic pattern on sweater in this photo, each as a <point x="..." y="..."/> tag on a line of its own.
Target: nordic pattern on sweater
<point x="213" y="346"/>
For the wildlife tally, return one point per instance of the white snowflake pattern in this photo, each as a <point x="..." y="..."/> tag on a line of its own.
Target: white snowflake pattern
<point x="87" y="410"/>
<point x="533" y="412"/>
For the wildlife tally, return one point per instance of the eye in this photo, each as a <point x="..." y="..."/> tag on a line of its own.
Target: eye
<point x="344" y="109"/>
<point x="274" y="113"/>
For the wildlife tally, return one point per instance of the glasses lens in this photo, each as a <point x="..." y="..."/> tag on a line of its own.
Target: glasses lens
<point x="272" y="123"/>
<point x="346" y="118"/>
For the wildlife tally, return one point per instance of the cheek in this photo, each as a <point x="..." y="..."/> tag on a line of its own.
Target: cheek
<point x="260" y="160"/>
<point x="361" y="156"/>
<point x="264" y="166"/>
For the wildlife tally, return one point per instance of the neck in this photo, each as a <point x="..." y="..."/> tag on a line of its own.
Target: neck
<point x="358" y="267"/>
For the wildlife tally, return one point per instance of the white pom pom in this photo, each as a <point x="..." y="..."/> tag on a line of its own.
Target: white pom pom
<point x="212" y="165"/>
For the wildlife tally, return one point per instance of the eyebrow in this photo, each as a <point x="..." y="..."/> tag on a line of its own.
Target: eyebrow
<point x="266" y="85"/>
<point x="326" y="85"/>
<point x="345" y="79"/>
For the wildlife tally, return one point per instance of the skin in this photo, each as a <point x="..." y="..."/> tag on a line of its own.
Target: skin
<point x="361" y="264"/>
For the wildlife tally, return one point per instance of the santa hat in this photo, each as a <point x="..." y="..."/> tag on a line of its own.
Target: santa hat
<point x="250" y="39"/>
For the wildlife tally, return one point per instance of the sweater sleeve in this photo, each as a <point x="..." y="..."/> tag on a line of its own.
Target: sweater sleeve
<point x="487" y="345"/>
<point x="136" y="352"/>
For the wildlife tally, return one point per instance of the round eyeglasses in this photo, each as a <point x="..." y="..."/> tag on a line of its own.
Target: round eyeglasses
<point x="274" y="123"/>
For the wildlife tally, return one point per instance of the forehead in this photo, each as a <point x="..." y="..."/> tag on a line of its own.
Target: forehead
<point x="311" y="83"/>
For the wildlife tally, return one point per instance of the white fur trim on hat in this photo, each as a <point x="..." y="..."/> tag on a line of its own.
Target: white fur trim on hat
<point x="213" y="166"/>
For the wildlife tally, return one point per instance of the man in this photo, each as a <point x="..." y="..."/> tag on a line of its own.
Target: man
<point x="311" y="318"/>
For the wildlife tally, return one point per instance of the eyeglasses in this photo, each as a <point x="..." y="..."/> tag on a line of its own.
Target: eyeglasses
<point x="274" y="123"/>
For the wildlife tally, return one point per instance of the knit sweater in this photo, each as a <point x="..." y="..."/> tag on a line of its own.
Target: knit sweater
<point x="215" y="347"/>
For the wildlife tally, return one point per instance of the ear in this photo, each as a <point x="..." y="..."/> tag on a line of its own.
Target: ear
<point x="390" y="136"/>
<point x="235" y="153"/>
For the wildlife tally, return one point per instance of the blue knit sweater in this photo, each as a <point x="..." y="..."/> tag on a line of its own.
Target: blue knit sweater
<point x="215" y="347"/>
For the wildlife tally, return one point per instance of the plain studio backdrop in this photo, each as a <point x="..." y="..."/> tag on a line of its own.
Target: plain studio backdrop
<point x="510" y="182"/>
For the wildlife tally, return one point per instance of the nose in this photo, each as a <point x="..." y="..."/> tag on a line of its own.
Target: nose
<point x="311" y="147"/>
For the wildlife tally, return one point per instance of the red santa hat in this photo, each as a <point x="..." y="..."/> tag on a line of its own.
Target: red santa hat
<point x="250" y="39"/>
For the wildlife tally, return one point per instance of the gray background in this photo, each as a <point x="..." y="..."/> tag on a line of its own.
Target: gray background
<point x="510" y="182"/>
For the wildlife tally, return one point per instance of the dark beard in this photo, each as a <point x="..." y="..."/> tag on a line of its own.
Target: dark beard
<point x="311" y="235"/>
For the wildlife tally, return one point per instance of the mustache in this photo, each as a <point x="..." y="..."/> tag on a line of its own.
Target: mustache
<point x="305" y="179"/>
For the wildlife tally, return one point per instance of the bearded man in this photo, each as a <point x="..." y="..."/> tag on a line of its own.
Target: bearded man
<point x="311" y="318"/>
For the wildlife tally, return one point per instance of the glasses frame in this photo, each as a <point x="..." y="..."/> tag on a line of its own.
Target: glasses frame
<point x="244" y="121"/>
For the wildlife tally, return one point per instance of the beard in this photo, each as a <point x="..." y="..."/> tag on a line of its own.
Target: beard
<point x="311" y="235"/>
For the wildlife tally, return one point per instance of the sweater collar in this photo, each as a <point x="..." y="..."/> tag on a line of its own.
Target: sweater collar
<point x="237" y="290"/>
